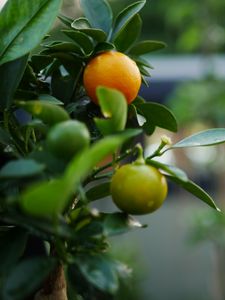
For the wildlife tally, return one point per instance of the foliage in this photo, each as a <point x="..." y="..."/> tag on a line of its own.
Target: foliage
<point x="44" y="196"/>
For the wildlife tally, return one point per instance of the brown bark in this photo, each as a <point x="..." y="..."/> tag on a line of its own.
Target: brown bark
<point x="54" y="287"/>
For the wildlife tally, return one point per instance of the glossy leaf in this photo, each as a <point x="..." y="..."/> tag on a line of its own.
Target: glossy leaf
<point x="129" y="34"/>
<point x="82" y="25"/>
<point x="104" y="46"/>
<point x="141" y="61"/>
<point x="156" y="115"/>
<point x="49" y="99"/>
<point x="25" y="28"/>
<point x="81" y="39"/>
<point x="145" y="47"/>
<point x="100" y="271"/>
<point x="118" y="223"/>
<point x="125" y="16"/>
<point x="13" y="242"/>
<point x="204" y="138"/>
<point x="19" y="285"/>
<point x="11" y="74"/>
<point x="114" y="108"/>
<point x="48" y="113"/>
<point x="21" y="168"/>
<point x="65" y="20"/>
<point x="62" y="47"/>
<point x="196" y="190"/>
<point x="98" y="13"/>
<point x="172" y="170"/>
<point x="99" y="191"/>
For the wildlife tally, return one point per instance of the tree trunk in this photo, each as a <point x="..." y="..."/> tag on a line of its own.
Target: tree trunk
<point x="54" y="287"/>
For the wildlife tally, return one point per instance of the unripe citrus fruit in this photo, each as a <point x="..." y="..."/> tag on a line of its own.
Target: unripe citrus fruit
<point x="138" y="188"/>
<point x="114" y="70"/>
<point x="68" y="138"/>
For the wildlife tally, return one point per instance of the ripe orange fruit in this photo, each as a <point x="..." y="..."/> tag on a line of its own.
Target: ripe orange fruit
<point x="114" y="70"/>
<point x="138" y="188"/>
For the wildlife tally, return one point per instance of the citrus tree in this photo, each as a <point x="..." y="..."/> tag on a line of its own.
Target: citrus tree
<point x="63" y="110"/>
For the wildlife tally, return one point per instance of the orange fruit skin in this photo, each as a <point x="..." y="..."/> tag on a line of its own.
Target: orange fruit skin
<point x="114" y="70"/>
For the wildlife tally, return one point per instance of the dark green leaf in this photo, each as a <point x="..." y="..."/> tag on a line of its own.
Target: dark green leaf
<point x="104" y="46"/>
<point x="40" y="62"/>
<point x="99" y="191"/>
<point x="63" y="47"/>
<point x="114" y="108"/>
<point x="204" y="138"/>
<point x="145" y="47"/>
<point x="21" y="168"/>
<point x="142" y="62"/>
<point x="100" y="271"/>
<point x="125" y="16"/>
<point x="118" y="223"/>
<point x="194" y="189"/>
<point x="5" y="138"/>
<point x="81" y="39"/>
<point x="11" y="74"/>
<point x="13" y="242"/>
<point x="157" y="115"/>
<point x="26" y="277"/>
<point x="172" y="170"/>
<point x="98" y="13"/>
<point x="65" y="20"/>
<point x="22" y="31"/>
<point x="129" y="34"/>
<point x="82" y="25"/>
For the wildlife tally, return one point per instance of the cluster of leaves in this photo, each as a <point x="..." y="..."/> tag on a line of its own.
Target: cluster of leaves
<point x="46" y="197"/>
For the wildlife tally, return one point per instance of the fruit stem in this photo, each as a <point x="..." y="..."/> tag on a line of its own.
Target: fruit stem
<point x="140" y="157"/>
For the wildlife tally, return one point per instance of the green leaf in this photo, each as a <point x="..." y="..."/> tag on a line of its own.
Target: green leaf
<point x="21" y="168"/>
<point x="26" y="277"/>
<point x="5" y="138"/>
<point x="124" y="17"/>
<point x="48" y="113"/>
<point x="48" y="199"/>
<point x="98" y="13"/>
<point x="103" y="47"/>
<point x="99" y="191"/>
<point x="22" y="31"/>
<point x="129" y="34"/>
<point x="141" y="61"/>
<point x="49" y="99"/>
<point x="204" y="138"/>
<point x="40" y="62"/>
<point x="82" y="25"/>
<point x="100" y="271"/>
<point x="63" y="47"/>
<point x="114" y="108"/>
<point x="65" y="20"/>
<point x="145" y="47"/>
<point x="118" y="223"/>
<point x="13" y="242"/>
<point x="194" y="189"/>
<point x="11" y="74"/>
<point x="156" y="115"/>
<point x="81" y="39"/>
<point x="172" y="170"/>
